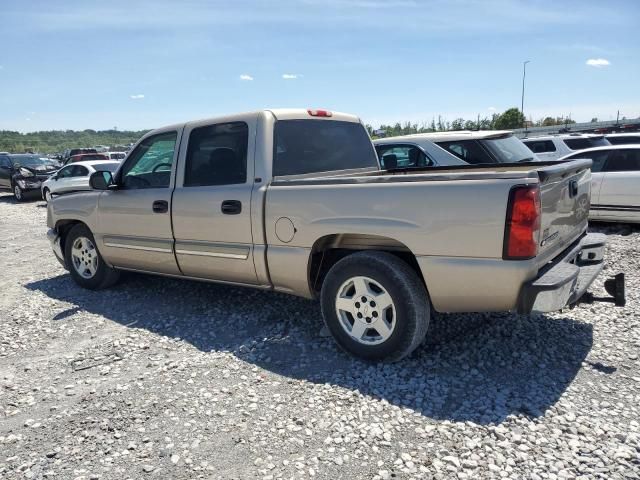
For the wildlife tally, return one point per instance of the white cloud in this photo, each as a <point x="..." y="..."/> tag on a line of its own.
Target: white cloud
<point x="598" y="62"/>
<point x="136" y="97"/>
<point x="246" y="77"/>
<point x="492" y="109"/>
<point x="290" y="76"/>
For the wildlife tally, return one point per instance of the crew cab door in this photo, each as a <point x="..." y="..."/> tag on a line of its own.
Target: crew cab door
<point x="134" y="220"/>
<point x="212" y="201"/>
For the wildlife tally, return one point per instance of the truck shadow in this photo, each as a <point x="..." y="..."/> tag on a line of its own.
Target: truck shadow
<point x="478" y="368"/>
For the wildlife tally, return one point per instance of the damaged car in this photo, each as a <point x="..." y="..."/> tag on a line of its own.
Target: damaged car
<point x="23" y="174"/>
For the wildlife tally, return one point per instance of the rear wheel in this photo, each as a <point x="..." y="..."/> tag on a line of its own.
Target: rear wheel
<point x="375" y="306"/>
<point x="84" y="261"/>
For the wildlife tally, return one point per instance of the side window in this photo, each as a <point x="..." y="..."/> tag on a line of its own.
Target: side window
<point x="217" y="155"/>
<point x="540" y="146"/>
<point x="4" y="162"/>
<point x="468" y="150"/>
<point x="598" y="159"/>
<point x="399" y="156"/>
<point x="80" y="171"/>
<point x="623" y="161"/>
<point x="149" y="165"/>
<point x="577" y="143"/>
<point x="66" y="172"/>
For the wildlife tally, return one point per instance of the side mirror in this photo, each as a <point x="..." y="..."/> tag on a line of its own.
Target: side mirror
<point x="101" y="180"/>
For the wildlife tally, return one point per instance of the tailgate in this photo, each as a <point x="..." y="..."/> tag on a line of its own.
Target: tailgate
<point x="565" y="195"/>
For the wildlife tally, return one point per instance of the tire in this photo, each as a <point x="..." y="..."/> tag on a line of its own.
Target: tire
<point x="46" y="193"/>
<point x="85" y="264"/>
<point x="405" y="309"/>
<point x="18" y="194"/>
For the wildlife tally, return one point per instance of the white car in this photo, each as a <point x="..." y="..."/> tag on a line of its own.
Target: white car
<point x="412" y="152"/>
<point x="553" y="147"/>
<point x="466" y="146"/>
<point x="74" y="177"/>
<point x="615" y="182"/>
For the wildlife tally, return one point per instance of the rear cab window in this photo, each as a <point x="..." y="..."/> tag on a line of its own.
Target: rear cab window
<point x="304" y="147"/>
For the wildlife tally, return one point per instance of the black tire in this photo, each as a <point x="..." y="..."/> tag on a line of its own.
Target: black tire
<point x="104" y="277"/>
<point x="409" y="296"/>
<point x="44" y="194"/>
<point x="18" y="193"/>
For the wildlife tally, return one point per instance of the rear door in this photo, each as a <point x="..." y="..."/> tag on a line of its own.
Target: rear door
<point x="620" y="190"/>
<point x="134" y="221"/>
<point x="212" y="201"/>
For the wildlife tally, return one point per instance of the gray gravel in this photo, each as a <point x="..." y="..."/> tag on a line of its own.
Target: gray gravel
<point x="158" y="379"/>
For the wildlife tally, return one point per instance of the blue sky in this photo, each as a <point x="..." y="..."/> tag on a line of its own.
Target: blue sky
<point x="146" y="63"/>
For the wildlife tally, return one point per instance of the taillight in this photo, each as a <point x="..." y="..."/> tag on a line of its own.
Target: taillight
<point x="319" y="113"/>
<point x="522" y="228"/>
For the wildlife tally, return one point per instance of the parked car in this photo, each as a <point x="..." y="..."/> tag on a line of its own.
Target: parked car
<point x="477" y="147"/>
<point x="615" y="189"/>
<point x="119" y="156"/>
<point x="623" y="138"/>
<point x="70" y="152"/>
<point x="294" y="201"/>
<point x="552" y="147"/>
<point x="401" y="152"/>
<point x="101" y="148"/>
<point x="86" y="157"/>
<point x="23" y="174"/>
<point x="74" y="177"/>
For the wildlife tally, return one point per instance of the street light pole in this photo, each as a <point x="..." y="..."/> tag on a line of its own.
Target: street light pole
<point x="524" y="74"/>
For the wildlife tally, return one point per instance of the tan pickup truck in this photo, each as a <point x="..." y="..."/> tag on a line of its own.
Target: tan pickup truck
<point x="295" y="201"/>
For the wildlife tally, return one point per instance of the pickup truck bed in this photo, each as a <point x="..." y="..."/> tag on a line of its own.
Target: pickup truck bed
<point x="295" y="201"/>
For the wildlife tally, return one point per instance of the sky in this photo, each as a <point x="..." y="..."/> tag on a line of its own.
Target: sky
<point x="142" y="64"/>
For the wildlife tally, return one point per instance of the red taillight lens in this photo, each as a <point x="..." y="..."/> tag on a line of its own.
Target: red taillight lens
<point x="319" y="113"/>
<point x="522" y="228"/>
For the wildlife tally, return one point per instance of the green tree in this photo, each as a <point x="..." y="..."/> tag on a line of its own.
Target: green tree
<point x="457" y="124"/>
<point x="509" y="119"/>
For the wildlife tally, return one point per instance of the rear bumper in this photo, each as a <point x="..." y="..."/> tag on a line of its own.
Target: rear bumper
<point x="566" y="279"/>
<point x="56" y="245"/>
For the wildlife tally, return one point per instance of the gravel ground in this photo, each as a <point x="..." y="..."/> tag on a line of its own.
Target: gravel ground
<point x="159" y="378"/>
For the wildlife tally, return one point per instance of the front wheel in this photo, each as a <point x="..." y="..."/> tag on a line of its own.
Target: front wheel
<point x="85" y="264"/>
<point x="46" y="195"/>
<point x="375" y="306"/>
<point x="18" y="194"/>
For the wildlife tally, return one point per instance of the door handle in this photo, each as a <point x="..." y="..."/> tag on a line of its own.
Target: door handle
<point x="231" y="207"/>
<point x="160" y="206"/>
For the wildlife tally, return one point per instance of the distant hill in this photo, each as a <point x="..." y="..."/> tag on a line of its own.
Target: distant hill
<point x="55" y="141"/>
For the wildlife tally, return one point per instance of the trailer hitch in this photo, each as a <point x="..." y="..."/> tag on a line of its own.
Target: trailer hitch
<point x="614" y="287"/>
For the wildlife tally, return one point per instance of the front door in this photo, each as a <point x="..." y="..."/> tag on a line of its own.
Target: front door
<point x="620" y="191"/>
<point x="5" y="172"/>
<point x="134" y="220"/>
<point x="212" y="202"/>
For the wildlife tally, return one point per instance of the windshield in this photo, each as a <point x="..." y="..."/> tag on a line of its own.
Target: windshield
<point x="509" y="150"/>
<point x="313" y="146"/>
<point x="33" y="161"/>
<point x="109" y="167"/>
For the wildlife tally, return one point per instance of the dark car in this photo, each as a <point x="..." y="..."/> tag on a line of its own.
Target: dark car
<point x="23" y="173"/>
<point x="76" y="151"/>
<point x="85" y="157"/>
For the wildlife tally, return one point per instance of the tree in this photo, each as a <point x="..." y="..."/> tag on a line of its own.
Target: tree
<point x="457" y="124"/>
<point x="594" y="119"/>
<point x="509" y="119"/>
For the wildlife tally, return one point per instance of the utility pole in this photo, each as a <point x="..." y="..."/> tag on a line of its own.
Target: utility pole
<point x="524" y="75"/>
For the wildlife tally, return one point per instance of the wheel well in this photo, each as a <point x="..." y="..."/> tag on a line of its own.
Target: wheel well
<point x="64" y="227"/>
<point x="328" y="250"/>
